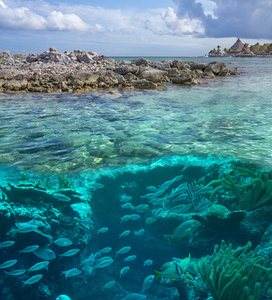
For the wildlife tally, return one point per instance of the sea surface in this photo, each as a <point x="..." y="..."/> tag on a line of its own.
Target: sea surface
<point x="70" y="158"/>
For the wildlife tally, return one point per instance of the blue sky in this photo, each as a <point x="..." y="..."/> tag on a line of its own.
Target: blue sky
<point x="132" y="27"/>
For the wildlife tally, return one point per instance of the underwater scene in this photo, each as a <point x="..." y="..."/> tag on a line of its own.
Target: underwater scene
<point x="160" y="195"/>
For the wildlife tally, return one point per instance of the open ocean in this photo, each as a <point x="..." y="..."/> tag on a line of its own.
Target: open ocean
<point x="117" y="174"/>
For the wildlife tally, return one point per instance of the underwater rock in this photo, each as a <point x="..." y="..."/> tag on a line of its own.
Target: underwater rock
<point x="218" y="216"/>
<point x="82" y="210"/>
<point x="266" y="243"/>
<point x="257" y="224"/>
<point x="7" y="217"/>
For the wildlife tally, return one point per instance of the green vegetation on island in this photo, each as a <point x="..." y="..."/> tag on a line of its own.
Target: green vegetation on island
<point x="243" y="49"/>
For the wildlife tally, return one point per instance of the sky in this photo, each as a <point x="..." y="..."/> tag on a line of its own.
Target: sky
<point x="133" y="27"/>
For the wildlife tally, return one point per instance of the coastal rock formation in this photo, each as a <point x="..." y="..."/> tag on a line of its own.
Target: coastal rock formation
<point x="54" y="71"/>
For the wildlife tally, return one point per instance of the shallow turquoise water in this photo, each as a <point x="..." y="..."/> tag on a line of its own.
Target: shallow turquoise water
<point x="94" y="150"/>
<point x="230" y="116"/>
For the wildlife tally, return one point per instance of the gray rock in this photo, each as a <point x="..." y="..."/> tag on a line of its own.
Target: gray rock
<point x="208" y="75"/>
<point x="123" y="70"/>
<point x="178" y="64"/>
<point x="154" y="75"/>
<point x="182" y="78"/>
<point x="6" y="57"/>
<point x="130" y="77"/>
<point x="216" y="67"/>
<point x="87" y="77"/>
<point x="161" y="65"/>
<point x="58" y="57"/>
<point x="199" y="66"/>
<point x="31" y="58"/>
<point x="84" y="57"/>
<point x="144" y="84"/>
<point x="141" y="61"/>
<point x="172" y="72"/>
<point x="15" y="85"/>
<point x="43" y="56"/>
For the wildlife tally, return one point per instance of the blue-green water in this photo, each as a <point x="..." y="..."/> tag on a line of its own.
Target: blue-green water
<point x="96" y="149"/>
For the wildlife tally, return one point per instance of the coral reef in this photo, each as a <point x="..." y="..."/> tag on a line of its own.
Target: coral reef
<point x="233" y="274"/>
<point x="251" y="189"/>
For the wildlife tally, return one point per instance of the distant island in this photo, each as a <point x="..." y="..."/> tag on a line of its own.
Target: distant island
<point x="239" y="49"/>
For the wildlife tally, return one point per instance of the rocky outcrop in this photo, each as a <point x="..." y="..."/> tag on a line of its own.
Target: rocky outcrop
<point x="6" y="57"/>
<point x="155" y="75"/>
<point x="54" y="71"/>
<point x="144" y="84"/>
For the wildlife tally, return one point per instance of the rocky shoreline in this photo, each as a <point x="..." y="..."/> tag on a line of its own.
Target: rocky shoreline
<point x="79" y="71"/>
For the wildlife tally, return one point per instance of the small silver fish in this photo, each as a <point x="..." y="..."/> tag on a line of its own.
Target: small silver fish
<point x="71" y="273"/>
<point x="16" y="272"/>
<point x="88" y="261"/>
<point x="135" y="296"/>
<point x="125" y="198"/>
<point x="29" y="249"/>
<point x="141" y="208"/>
<point x="63" y="242"/>
<point x="8" y="263"/>
<point x="39" y="266"/>
<point x="63" y="297"/>
<point x="69" y="253"/>
<point x="26" y="229"/>
<point x="124" y="271"/>
<point x="134" y="217"/>
<point x="150" y="220"/>
<point x="125" y="233"/>
<point x="102" y="230"/>
<point x="204" y="190"/>
<point x="183" y="208"/>
<point x="104" y="263"/>
<point x="130" y="258"/>
<point x="151" y="188"/>
<point x="99" y="260"/>
<point x="162" y="201"/>
<point x="105" y="250"/>
<point x="45" y="253"/>
<point x="109" y="284"/>
<point x="147" y="283"/>
<point x="125" y="218"/>
<point x="33" y="279"/>
<point x="127" y="205"/>
<point x="139" y="232"/>
<point x="123" y="250"/>
<point x="61" y="197"/>
<point x="6" y="244"/>
<point x="148" y="262"/>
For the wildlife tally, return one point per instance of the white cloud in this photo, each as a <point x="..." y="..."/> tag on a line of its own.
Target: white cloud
<point x="56" y="20"/>
<point x="24" y="19"/>
<point x="168" y="23"/>
<point x="2" y="4"/>
<point x="178" y="26"/>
